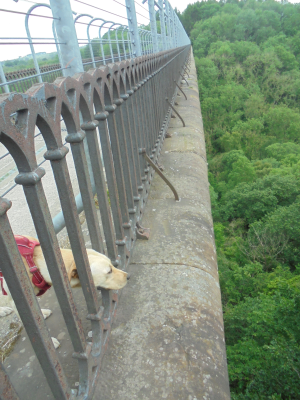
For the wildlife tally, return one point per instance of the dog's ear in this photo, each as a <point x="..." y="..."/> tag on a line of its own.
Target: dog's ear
<point x="74" y="274"/>
<point x="71" y="270"/>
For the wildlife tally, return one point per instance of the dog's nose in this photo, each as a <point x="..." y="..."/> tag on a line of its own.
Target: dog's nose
<point x="128" y="276"/>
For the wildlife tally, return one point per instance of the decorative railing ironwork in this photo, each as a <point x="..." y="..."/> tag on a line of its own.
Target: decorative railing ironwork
<point x="123" y="107"/>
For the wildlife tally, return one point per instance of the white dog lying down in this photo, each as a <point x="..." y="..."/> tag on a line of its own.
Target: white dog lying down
<point x="105" y="275"/>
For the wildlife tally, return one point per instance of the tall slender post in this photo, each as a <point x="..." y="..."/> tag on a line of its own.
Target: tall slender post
<point x="153" y="25"/>
<point x="168" y="24"/>
<point x="133" y="28"/>
<point x="35" y="61"/>
<point x="162" y="24"/>
<point x="75" y="20"/>
<point x="110" y="44"/>
<point x="172" y="12"/>
<point x="176" y="29"/>
<point x="66" y="33"/>
<point x="3" y="79"/>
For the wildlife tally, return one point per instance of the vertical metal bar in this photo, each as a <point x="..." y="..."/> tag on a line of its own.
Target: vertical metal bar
<point x="153" y="25"/>
<point x="56" y="44"/>
<point x="129" y="41"/>
<point x="36" y="64"/>
<point x="166" y="11"/>
<point x="110" y="45"/>
<point x="90" y="129"/>
<point x="139" y="128"/>
<point x="89" y="42"/>
<point x="118" y="47"/>
<point x="142" y="125"/>
<point x="128" y="135"/>
<point x="174" y="26"/>
<point x="162" y="24"/>
<point x="141" y="41"/>
<point x="148" y="104"/>
<point x="102" y="49"/>
<point x="117" y="42"/>
<point x="169" y="12"/>
<point x="149" y="43"/>
<point x="91" y="46"/>
<point x="7" y="391"/>
<point x="134" y="132"/>
<point x="111" y="181"/>
<point x="119" y="119"/>
<point x="123" y="42"/>
<point x="66" y="33"/>
<point x="171" y="24"/>
<point x="113" y="132"/>
<point x="154" y="105"/>
<point x="3" y="79"/>
<point x="144" y="111"/>
<point x="77" y="147"/>
<point x="133" y="27"/>
<point x="135" y="153"/>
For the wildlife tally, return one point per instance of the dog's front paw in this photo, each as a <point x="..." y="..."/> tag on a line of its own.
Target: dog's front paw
<point x="55" y="342"/>
<point x="4" y="311"/>
<point x="46" y="313"/>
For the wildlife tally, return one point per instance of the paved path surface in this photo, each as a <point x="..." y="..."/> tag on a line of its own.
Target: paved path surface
<point x="167" y="341"/>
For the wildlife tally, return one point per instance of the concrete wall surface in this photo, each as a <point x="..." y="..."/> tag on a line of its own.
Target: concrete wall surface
<point x="167" y="340"/>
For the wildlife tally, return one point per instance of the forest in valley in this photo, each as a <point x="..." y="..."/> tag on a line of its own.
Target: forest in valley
<point x="247" y="56"/>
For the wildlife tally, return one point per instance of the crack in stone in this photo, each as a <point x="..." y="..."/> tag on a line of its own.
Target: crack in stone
<point x="187" y="152"/>
<point x="170" y="263"/>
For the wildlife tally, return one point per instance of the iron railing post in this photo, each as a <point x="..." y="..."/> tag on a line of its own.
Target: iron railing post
<point x="173" y="25"/>
<point x="75" y="21"/>
<point x="110" y="173"/>
<point x="36" y="64"/>
<point x="98" y="172"/>
<point x="66" y="33"/>
<point x="176" y="28"/>
<point x="3" y="79"/>
<point x="124" y="188"/>
<point x="167" y="12"/>
<point x="162" y="24"/>
<point x="153" y="25"/>
<point x="133" y="27"/>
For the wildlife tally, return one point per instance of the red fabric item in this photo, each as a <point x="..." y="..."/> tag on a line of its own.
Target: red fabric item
<point x="26" y="248"/>
<point x="1" y="284"/>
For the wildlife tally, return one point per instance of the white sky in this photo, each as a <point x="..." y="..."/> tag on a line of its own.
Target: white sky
<point x="13" y="25"/>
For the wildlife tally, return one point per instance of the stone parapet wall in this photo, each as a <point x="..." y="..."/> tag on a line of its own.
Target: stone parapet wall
<point x="167" y="341"/>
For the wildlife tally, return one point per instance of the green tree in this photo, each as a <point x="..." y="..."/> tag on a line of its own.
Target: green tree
<point x="283" y="123"/>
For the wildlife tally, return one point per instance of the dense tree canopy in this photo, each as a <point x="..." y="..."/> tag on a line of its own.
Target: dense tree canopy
<point x="247" y="56"/>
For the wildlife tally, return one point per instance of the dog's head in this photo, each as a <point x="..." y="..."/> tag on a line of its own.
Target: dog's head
<point x="105" y="275"/>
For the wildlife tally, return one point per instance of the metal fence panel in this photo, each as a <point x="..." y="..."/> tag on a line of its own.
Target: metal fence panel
<point x="124" y="105"/>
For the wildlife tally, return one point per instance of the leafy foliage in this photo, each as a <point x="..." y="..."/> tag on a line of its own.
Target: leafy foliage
<point x="247" y="57"/>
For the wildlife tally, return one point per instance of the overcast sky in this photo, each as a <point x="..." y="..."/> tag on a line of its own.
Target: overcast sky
<point x="13" y="25"/>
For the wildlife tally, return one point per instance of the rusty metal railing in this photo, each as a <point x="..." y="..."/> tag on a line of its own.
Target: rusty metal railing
<point x="123" y="107"/>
